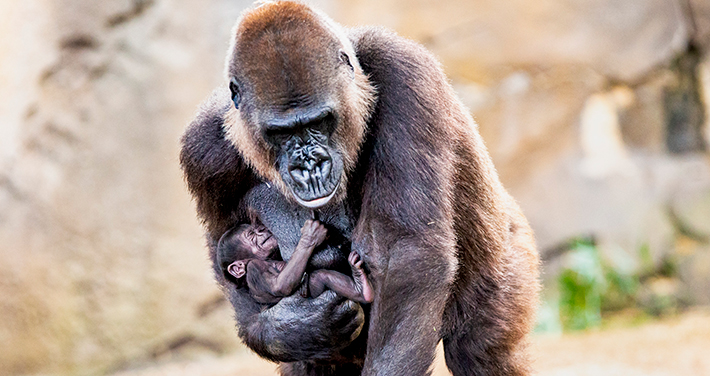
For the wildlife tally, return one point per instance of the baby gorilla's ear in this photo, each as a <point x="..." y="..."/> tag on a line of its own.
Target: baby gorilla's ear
<point x="237" y="269"/>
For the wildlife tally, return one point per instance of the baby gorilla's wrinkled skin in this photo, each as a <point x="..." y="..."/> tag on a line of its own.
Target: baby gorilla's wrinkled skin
<point x="251" y="249"/>
<point x="259" y="240"/>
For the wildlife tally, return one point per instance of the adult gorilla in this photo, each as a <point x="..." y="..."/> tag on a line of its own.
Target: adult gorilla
<point x="363" y="124"/>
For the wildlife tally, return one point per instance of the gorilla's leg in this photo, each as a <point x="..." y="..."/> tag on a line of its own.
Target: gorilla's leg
<point x="491" y="311"/>
<point x="311" y="369"/>
<point x="411" y="290"/>
<point x="484" y="346"/>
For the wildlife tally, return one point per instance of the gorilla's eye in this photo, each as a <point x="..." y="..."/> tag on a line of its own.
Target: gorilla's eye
<point x="345" y="59"/>
<point x="236" y="95"/>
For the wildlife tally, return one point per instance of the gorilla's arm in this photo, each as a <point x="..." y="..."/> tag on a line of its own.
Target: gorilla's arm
<point x="405" y="227"/>
<point x="218" y="179"/>
<point x="293" y="329"/>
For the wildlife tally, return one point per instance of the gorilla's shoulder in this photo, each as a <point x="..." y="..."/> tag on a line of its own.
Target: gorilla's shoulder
<point x="207" y="123"/>
<point x="385" y="55"/>
<point x="204" y="142"/>
<point x="212" y="166"/>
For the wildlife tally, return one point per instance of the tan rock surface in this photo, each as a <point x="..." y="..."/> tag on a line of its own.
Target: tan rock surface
<point x="476" y="38"/>
<point x="103" y="257"/>
<point x="671" y="347"/>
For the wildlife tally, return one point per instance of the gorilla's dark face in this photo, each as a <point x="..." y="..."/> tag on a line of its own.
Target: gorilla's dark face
<point x="302" y="100"/>
<point x="309" y="166"/>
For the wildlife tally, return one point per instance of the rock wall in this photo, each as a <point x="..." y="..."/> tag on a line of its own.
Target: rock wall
<point x="103" y="258"/>
<point x="595" y="113"/>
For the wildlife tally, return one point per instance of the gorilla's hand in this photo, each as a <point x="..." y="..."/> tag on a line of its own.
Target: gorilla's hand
<point x="298" y="329"/>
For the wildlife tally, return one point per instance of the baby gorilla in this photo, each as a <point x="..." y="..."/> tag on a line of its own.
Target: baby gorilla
<point x="246" y="254"/>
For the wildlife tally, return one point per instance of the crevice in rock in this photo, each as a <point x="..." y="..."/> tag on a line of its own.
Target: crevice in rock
<point x="60" y="133"/>
<point x="32" y="110"/>
<point x="138" y="8"/>
<point x="684" y="111"/>
<point x="79" y="42"/>
<point x="210" y="305"/>
<point x="179" y="342"/>
<point x="48" y="73"/>
<point x="183" y="341"/>
<point x="552" y="253"/>
<point x="684" y="229"/>
<point x="9" y="186"/>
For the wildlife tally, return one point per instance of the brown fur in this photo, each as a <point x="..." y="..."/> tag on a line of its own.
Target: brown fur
<point x="449" y="253"/>
<point x="254" y="36"/>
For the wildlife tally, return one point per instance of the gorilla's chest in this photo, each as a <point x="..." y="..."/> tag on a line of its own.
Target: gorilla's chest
<point x="285" y="219"/>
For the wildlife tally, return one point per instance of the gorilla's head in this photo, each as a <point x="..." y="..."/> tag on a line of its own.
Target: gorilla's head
<point x="301" y="100"/>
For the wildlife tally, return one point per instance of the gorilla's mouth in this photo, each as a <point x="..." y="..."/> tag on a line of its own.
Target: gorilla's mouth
<point x="315" y="182"/>
<point x="318" y="202"/>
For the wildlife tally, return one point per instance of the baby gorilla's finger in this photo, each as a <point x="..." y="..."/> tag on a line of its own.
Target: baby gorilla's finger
<point x="309" y="227"/>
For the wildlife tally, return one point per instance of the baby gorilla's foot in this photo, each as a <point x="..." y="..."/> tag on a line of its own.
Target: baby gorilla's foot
<point x="360" y="278"/>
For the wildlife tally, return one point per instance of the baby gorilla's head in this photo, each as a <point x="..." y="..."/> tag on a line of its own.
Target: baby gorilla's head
<point x="244" y="242"/>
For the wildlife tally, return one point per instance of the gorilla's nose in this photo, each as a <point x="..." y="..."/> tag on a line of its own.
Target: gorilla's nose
<point x="298" y="119"/>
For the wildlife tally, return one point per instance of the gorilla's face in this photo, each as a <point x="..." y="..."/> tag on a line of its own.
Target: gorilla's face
<point x="310" y="166"/>
<point x="302" y="99"/>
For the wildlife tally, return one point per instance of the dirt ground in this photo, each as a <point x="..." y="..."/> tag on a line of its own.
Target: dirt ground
<point x="669" y="347"/>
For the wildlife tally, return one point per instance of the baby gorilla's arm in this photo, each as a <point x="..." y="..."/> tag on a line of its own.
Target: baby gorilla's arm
<point x="312" y="234"/>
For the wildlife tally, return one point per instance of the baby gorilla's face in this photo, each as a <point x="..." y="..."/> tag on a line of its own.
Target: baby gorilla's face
<point x="260" y="240"/>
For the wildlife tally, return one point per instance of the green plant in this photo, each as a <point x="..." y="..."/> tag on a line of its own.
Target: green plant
<point x="588" y="288"/>
<point x="581" y="285"/>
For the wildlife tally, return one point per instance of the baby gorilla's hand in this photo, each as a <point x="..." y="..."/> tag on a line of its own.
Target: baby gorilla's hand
<point x="313" y="232"/>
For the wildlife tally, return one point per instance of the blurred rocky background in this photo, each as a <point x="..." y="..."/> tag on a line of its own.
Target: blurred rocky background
<point x="596" y="113"/>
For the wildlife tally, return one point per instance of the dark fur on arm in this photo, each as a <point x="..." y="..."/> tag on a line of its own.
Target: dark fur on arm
<point x="216" y="174"/>
<point x="293" y="330"/>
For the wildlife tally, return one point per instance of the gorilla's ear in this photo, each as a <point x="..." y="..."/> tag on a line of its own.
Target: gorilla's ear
<point x="237" y="269"/>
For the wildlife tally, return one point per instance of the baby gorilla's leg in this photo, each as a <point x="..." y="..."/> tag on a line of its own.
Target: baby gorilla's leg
<point x="323" y="279"/>
<point x="357" y="288"/>
<point x="341" y="284"/>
